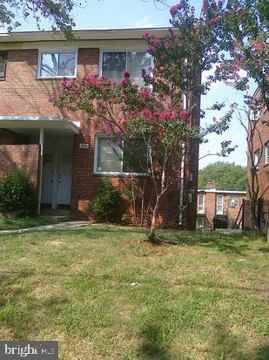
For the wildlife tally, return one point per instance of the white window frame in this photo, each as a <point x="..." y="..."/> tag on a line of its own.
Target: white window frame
<point x="222" y="205"/>
<point x="102" y="51"/>
<point x="266" y="153"/>
<point x="56" y="51"/>
<point x="201" y="211"/>
<point x="111" y="173"/>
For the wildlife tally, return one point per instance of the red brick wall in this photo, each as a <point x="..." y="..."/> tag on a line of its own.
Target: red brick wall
<point x="23" y="157"/>
<point x="263" y="129"/>
<point x="23" y="94"/>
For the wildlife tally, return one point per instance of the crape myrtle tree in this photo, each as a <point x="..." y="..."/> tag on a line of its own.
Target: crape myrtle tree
<point x="247" y="45"/>
<point x="165" y="114"/>
<point x="55" y="11"/>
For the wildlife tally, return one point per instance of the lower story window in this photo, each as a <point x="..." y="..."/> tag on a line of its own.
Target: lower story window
<point x="115" y="156"/>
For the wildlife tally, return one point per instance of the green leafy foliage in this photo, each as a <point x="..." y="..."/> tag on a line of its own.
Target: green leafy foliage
<point x="57" y="12"/>
<point x="17" y="194"/>
<point x="107" y="206"/>
<point x="226" y="176"/>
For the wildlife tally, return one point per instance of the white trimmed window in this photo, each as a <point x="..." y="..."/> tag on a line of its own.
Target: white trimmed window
<point x="115" y="63"/>
<point x="201" y="203"/>
<point x="220" y="204"/>
<point x="266" y="153"/>
<point x="115" y="157"/>
<point x="57" y="64"/>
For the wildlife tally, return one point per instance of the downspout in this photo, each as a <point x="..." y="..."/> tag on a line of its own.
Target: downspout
<point x="181" y="190"/>
<point x="41" y="144"/>
<point x="182" y="173"/>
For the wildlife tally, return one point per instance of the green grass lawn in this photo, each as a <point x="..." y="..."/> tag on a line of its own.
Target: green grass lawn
<point x="104" y="293"/>
<point x="23" y="222"/>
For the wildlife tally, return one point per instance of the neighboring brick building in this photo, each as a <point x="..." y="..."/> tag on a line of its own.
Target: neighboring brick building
<point x="218" y="208"/>
<point x="72" y="155"/>
<point x="261" y="153"/>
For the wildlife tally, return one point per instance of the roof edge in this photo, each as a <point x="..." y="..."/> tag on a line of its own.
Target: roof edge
<point x="81" y="34"/>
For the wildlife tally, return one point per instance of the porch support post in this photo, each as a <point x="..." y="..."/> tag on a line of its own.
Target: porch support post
<point x="41" y="143"/>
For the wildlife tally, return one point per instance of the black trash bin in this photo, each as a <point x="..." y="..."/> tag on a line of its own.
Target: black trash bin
<point x="220" y="222"/>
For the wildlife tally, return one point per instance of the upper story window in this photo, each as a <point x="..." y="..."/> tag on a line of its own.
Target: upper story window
<point x="201" y="203"/>
<point x="57" y="64"/>
<point x="3" y="65"/>
<point x="115" y="63"/>
<point x="115" y="157"/>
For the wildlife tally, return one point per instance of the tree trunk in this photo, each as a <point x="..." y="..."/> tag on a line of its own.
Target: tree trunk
<point x="152" y="234"/>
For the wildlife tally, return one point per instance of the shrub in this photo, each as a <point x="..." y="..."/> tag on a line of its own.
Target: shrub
<point x="17" y="194"/>
<point x="107" y="205"/>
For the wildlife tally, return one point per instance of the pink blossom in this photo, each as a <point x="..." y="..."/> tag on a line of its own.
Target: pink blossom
<point x="126" y="75"/>
<point x="67" y="83"/>
<point x="147" y="114"/>
<point x="124" y="82"/>
<point x="184" y="115"/>
<point x="167" y="115"/>
<point x="145" y="93"/>
<point x="258" y="46"/>
<point x="205" y="6"/>
<point x="175" y="8"/>
<point x="151" y="50"/>
<point x="146" y="35"/>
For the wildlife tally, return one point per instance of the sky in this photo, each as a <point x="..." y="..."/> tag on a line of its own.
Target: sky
<point x="109" y="14"/>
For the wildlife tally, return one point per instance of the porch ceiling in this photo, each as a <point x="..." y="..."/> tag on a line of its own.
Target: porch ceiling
<point x="21" y="123"/>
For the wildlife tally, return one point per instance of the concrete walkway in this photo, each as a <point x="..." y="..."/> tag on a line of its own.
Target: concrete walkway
<point x="69" y="225"/>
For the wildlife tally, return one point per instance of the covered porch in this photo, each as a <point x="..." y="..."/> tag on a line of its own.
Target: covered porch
<point x="54" y="137"/>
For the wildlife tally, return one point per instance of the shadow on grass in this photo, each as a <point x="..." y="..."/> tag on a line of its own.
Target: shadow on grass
<point x="262" y="353"/>
<point x="265" y="250"/>
<point x="236" y="244"/>
<point x="226" y="345"/>
<point x="152" y="345"/>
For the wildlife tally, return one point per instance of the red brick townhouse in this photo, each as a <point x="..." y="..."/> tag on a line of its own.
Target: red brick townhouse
<point x="260" y="151"/>
<point x="65" y="156"/>
<point x="218" y="208"/>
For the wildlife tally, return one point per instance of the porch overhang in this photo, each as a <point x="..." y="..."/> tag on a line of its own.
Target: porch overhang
<point x="20" y="123"/>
